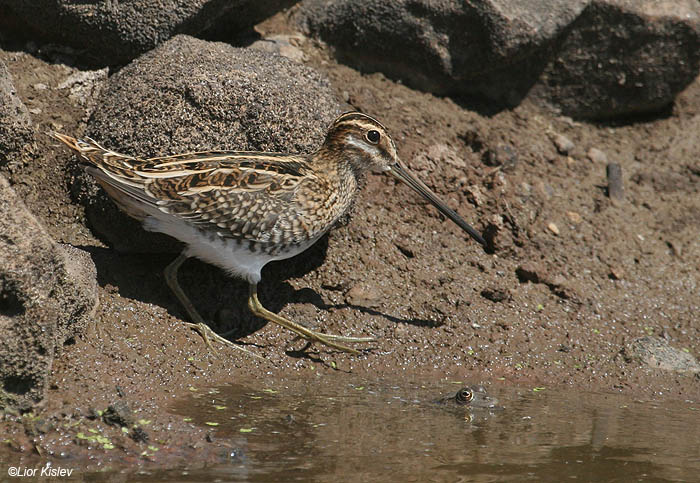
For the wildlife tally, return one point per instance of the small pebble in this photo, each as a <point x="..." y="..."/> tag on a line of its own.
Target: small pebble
<point x="284" y="45"/>
<point x="405" y="249"/>
<point x="553" y="228"/>
<point x="597" y="156"/>
<point x="502" y="155"/>
<point x="496" y="294"/>
<point x="574" y="217"/>
<point x="475" y="195"/>
<point x="617" y="272"/>
<point x="563" y="144"/>
<point x="616" y="191"/>
<point x="497" y="221"/>
<point x="363" y="297"/>
<point x="557" y="280"/>
<point x="676" y="248"/>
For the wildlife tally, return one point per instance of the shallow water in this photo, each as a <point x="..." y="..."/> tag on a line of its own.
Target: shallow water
<point x="302" y="431"/>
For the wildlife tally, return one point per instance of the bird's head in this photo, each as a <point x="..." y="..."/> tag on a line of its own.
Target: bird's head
<point x="365" y="143"/>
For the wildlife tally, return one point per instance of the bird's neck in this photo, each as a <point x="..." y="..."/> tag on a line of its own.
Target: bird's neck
<point x="337" y="157"/>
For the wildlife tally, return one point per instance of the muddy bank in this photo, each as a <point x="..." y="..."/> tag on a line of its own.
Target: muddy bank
<point x="571" y="279"/>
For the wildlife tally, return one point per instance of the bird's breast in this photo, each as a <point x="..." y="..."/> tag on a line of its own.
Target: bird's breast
<point x="326" y="201"/>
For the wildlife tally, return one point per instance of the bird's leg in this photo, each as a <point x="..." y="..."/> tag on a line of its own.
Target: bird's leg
<point x="203" y="329"/>
<point x="308" y="334"/>
<point x="170" y="273"/>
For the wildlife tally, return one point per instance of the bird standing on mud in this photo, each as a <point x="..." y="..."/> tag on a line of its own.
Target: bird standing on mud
<point x="240" y="210"/>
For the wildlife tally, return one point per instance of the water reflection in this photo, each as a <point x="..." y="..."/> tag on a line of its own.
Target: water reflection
<point x="357" y="432"/>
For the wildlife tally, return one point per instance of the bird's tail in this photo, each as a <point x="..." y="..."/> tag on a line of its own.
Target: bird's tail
<point x="115" y="173"/>
<point x="94" y="154"/>
<point x="84" y="147"/>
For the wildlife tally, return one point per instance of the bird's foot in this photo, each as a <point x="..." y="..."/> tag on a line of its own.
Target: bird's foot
<point x="208" y="335"/>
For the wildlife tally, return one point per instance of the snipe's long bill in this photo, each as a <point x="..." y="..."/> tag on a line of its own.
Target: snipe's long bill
<point x="399" y="171"/>
<point x="240" y="210"/>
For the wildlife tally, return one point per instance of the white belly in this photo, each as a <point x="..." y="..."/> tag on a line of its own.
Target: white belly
<point x="236" y="258"/>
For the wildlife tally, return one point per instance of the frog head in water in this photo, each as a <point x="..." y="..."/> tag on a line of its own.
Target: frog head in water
<point x="474" y="396"/>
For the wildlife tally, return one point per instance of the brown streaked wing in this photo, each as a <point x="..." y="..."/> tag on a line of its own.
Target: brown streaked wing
<point x="245" y="195"/>
<point x="280" y="163"/>
<point x="248" y="196"/>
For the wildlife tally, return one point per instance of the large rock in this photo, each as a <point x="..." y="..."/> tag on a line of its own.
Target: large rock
<point x="657" y="353"/>
<point x="624" y="57"/>
<point x="115" y="32"/>
<point x="16" y="133"/>
<point x="495" y="48"/>
<point x="192" y="95"/>
<point x="587" y="58"/>
<point x="48" y="293"/>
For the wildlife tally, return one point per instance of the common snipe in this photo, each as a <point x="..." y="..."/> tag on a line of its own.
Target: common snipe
<point x="240" y="210"/>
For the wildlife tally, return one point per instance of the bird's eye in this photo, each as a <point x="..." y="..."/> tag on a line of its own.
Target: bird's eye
<point x="373" y="136"/>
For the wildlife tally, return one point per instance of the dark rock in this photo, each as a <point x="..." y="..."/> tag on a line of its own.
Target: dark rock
<point x="587" y="58"/>
<point x="48" y="292"/>
<point x="446" y="47"/>
<point x="192" y="95"/>
<point x="616" y="190"/>
<point x="16" y="133"/>
<point x="114" y="32"/>
<point x="496" y="294"/>
<point x="503" y="156"/>
<point x="118" y="414"/>
<point x="35" y="426"/>
<point x="659" y="354"/>
<point x="139" y="435"/>
<point x="623" y="57"/>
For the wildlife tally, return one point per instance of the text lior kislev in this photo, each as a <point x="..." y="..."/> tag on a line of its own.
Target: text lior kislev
<point x="48" y="470"/>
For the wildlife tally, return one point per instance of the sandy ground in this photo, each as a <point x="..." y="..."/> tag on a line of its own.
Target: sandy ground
<point x="571" y="277"/>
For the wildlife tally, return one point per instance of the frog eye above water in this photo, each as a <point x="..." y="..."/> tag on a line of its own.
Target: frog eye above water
<point x="464" y="396"/>
<point x="373" y="136"/>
